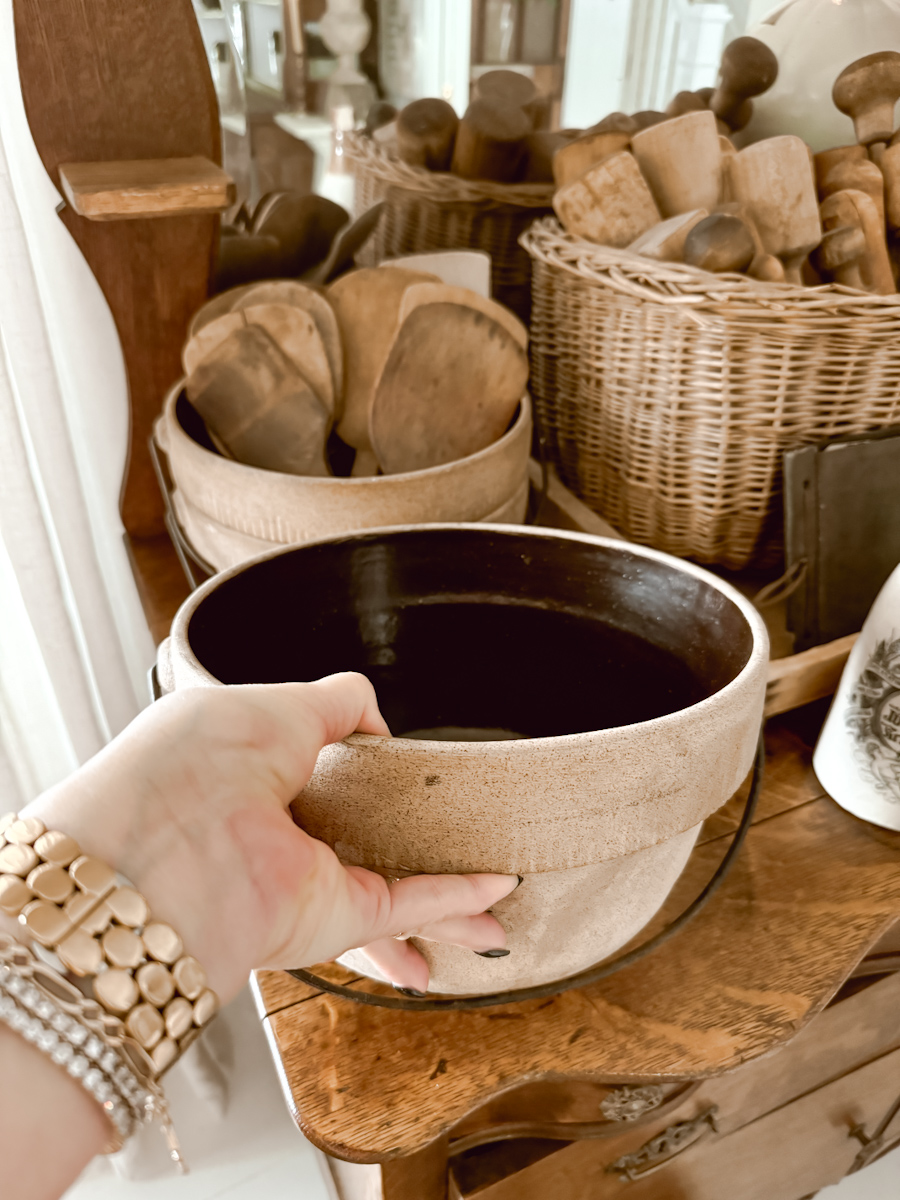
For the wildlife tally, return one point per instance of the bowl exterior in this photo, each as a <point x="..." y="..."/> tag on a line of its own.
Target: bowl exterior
<point x="559" y="922"/>
<point x="282" y="509"/>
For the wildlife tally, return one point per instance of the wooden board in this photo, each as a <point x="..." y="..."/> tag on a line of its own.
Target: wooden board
<point x="166" y="187"/>
<point x="105" y="82"/>
<point x="812" y="891"/>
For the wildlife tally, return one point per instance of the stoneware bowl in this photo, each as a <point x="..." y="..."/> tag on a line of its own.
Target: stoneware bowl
<point x="231" y="511"/>
<point x="566" y="707"/>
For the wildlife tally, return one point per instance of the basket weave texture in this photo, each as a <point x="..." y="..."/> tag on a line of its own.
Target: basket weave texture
<point x="669" y="395"/>
<point x="429" y="210"/>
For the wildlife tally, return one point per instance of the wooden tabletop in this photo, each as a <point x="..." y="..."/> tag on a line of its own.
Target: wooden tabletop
<point x="811" y="893"/>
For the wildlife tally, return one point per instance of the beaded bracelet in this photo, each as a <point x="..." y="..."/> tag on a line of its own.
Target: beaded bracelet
<point x="94" y="931"/>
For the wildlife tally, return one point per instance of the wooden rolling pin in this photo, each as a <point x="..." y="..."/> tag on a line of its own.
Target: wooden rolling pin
<point x="426" y="134"/>
<point x="868" y="91"/>
<point x="857" y="210"/>
<point x="774" y="180"/>
<point x="490" y="142"/>
<point x="748" y="69"/>
<point x="611" y="204"/>
<point x="682" y="162"/>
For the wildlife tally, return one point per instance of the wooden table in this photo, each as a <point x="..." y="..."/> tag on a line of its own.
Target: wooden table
<point x="813" y="893"/>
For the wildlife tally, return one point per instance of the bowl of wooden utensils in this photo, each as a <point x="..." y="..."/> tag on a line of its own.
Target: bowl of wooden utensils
<point x="698" y="310"/>
<point x="388" y="398"/>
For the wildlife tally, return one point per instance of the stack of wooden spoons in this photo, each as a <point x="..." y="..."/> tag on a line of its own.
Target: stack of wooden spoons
<point x="391" y="377"/>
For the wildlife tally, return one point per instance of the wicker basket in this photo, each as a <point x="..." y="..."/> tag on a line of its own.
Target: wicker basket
<point x="429" y="210"/>
<point x="668" y="395"/>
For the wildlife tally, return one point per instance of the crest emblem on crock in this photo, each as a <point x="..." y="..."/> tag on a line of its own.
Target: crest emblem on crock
<point x="873" y="719"/>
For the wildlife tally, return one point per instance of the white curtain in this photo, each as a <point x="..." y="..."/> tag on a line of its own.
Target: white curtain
<point x="74" y="646"/>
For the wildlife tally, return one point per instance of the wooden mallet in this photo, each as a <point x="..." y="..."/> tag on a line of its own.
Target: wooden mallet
<point x="426" y="134"/>
<point x="868" y="91"/>
<point x="748" y="69"/>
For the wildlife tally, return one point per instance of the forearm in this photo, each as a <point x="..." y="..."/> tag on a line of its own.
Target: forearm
<point x="50" y="1128"/>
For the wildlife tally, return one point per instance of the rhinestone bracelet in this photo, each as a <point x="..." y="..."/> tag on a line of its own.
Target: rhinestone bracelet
<point x="71" y="1044"/>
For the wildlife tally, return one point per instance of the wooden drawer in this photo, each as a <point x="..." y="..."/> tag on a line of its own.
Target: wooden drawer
<point x="791" y="1152"/>
<point x="812" y="1080"/>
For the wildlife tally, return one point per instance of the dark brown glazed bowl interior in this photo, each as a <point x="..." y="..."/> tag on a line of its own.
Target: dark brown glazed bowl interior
<point x="480" y="628"/>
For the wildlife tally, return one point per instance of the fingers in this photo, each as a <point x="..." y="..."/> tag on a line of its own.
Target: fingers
<point x="423" y="900"/>
<point x="483" y="932"/>
<point x="347" y="703"/>
<point x="398" y="962"/>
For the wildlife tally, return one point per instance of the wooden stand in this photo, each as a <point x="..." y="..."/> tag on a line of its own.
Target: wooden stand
<point x="106" y="85"/>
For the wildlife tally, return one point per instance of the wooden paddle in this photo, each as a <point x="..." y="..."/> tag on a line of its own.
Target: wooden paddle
<point x="308" y="299"/>
<point x="366" y="304"/>
<point x="449" y="388"/>
<point x="218" y="306"/>
<point x="259" y="406"/>
<point x="441" y="293"/>
<point x="296" y="334"/>
<point x="208" y="337"/>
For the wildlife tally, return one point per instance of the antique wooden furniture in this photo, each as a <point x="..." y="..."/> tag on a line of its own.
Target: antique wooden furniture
<point x="745" y="1086"/>
<point x="106" y="83"/>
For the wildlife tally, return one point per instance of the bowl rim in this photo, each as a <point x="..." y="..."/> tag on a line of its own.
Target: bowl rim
<point x="759" y="650"/>
<point x="523" y="419"/>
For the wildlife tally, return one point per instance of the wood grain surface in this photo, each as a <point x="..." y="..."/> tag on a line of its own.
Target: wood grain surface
<point x="811" y="892"/>
<point x="107" y="81"/>
<point x="146" y="187"/>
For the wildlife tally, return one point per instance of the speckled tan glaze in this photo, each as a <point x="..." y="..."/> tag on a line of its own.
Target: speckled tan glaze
<point x="599" y="823"/>
<point x="280" y="509"/>
<point x="224" y="547"/>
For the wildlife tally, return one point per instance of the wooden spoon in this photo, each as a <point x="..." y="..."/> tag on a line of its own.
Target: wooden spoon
<point x="442" y="293"/>
<point x="449" y="388"/>
<point x="367" y="305"/>
<point x="297" y="336"/>
<point x="208" y="337"/>
<point x="308" y="299"/>
<point x="259" y="406"/>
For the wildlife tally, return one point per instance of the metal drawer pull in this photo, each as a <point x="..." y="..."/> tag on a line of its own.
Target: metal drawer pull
<point x="664" y="1147"/>
<point x="631" y="1103"/>
<point x="876" y="1144"/>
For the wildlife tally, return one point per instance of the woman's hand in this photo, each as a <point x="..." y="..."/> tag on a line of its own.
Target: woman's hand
<point x="190" y="804"/>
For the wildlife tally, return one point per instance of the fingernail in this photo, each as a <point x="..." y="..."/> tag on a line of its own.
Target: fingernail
<point x="492" y="953"/>
<point x="408" y="991"/>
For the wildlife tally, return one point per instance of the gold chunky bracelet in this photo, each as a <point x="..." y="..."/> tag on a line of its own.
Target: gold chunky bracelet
<point x="97" y="931"/>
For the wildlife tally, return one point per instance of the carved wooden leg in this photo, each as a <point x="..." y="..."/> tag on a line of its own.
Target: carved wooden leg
<point x="422" y="1176"/>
